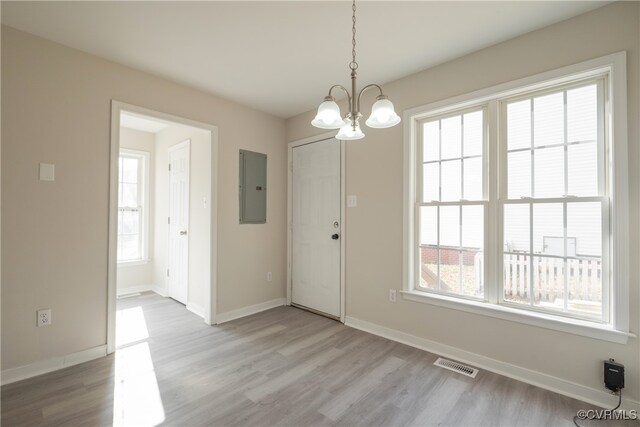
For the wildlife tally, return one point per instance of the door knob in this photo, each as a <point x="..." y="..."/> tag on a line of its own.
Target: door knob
<point x="335" y="236"/>
<point x="183" y="233"/>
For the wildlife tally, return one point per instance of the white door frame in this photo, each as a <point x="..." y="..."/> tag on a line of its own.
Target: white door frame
<point x="210" y="291"/>
<point x="343" y="213"/>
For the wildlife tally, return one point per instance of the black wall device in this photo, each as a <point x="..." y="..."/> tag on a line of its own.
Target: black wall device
<point x="613" y="375"/>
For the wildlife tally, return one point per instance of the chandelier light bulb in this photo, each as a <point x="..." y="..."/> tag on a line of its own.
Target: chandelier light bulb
<point x="347" y="132"/>
<point x="328" y="116"/>
<point x="383" y="115"/>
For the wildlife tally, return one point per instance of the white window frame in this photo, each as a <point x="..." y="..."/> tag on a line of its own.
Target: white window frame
<point x="604" y="196"/>
<point x="613" y="67"/>
<point x="483" y="201"/>
<point x="143" y="189"/>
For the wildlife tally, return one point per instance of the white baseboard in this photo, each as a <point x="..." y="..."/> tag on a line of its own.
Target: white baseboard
<point x="596" y="397"/>
<point x="141" y="288"/>
<point x="195" y="309"/>
<point x="159" y="290"/>
<point x="246" y="311"/>
<point x="133" y="290"/>
<point x="12" y="375"/>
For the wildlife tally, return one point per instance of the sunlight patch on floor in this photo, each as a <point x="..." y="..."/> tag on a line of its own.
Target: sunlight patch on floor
<point x="130" y="326"/>
<point x="136" y="396"/>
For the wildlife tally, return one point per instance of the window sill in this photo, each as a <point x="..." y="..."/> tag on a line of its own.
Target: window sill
<point x="133" y="263"/>
<point x="548" y="321"/>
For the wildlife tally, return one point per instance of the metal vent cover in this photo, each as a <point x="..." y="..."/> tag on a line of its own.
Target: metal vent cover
<point x="456" y="367"/>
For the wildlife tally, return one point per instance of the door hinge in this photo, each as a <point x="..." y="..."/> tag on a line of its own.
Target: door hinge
<point x="168" y="220"/>
<point x="169" y="167"/>
<point x="167" y="272"/>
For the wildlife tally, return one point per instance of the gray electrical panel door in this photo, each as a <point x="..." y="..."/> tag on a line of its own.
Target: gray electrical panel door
<point x="253" y="187"/>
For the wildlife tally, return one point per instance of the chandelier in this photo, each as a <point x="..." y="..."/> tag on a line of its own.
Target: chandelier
<point x="382" y="115"/>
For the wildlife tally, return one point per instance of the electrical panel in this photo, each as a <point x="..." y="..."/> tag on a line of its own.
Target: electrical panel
<point x="253" y="187"/>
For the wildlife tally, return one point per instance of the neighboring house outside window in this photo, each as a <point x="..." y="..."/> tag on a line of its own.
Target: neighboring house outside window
<point x="132" y="206"/>
<point x="516" y="201"/>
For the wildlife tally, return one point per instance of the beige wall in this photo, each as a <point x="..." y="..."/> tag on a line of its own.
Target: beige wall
<point x="56" y="106"/>
<point x="374" y="228"/>
<point x="199" y="215"/>
<point x="131" y="276"/>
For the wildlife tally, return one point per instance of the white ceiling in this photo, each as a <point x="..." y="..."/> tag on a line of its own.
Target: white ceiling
<point x="281" y="57"/>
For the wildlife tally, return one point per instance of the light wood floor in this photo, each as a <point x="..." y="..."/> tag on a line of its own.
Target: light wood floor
<point x="281" y="367"/>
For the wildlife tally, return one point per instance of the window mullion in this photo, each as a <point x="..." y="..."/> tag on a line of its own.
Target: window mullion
<point x="462" y="196"/>
<point x="417" y="260"/>
<point x="493" y="216"/>
<point x="438" y="244"/>
<point x="603" y="155"/>
<point x="139" y="197"/>
<point x="531" y="254"/>
<point x="533" y="194"/>
<point x="460" y="255"/>
<point x="607" y="295"/>
<point x="439" y="198"/>
<point x="565" y="262"/>
<point x="566" y="144"/>
<point x="533" y="162"/>
<point x="439" y="168"/>
<point x="418" y="198"/>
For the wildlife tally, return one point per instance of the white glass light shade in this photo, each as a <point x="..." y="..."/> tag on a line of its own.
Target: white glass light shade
<point x="328" y="116"/>
<point x="383" y="115"/>
<point x="347" y="133"/>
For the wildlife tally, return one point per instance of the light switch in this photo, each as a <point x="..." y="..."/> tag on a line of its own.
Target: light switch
<point x="47" y="172"/>
<point x="352" y="201"/>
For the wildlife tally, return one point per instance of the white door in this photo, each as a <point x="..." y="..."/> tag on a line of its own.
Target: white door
<point x="316" y="225"/>
<point x="178" y="274"/>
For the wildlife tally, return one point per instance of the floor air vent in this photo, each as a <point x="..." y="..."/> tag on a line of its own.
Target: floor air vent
<point x="456" y="367"/>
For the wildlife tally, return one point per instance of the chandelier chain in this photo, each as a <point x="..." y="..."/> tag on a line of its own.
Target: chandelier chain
<point x="353" y="65"/>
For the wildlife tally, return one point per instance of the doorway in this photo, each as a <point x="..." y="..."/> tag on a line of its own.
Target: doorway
<point x="163" y="210"/>
<point x="316" y="216"/>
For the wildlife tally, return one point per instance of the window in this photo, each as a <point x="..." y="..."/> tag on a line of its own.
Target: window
<point x="517" y="201"/>
<point x="556" y="209"/>
<point x="132" y="206"/>
<point x="452" y="209"/>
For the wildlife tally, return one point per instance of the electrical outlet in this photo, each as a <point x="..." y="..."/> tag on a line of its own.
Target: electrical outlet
<point x="43" y="317"/>
<point x="392" y="295"/>
<point x="269" y="277"/>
